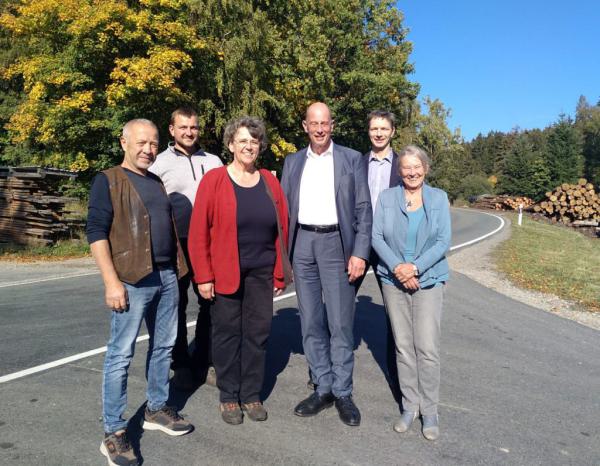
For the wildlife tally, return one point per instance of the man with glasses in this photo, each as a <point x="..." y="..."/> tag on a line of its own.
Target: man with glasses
<point x="330" y="241"/>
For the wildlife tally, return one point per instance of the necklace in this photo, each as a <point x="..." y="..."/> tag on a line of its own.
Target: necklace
<point x="409" y="202"/>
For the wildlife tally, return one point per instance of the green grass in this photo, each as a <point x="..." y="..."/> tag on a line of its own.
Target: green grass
<point x="66" y="249"/>
<point x="552" y="259"/>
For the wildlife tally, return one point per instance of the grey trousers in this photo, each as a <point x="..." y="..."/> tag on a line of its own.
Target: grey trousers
<point x="326" y="304"/>
<point x="415" y="319"/>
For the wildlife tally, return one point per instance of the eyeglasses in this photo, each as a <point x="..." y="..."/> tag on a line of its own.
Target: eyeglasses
<point x="248" y="142"/>
<point x="323" y="124"/>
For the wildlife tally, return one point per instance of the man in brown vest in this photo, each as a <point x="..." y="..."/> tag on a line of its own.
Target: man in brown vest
<point x="132" y="237"/>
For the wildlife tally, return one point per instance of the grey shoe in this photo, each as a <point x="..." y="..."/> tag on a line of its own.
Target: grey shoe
<point x="166" y="420"/>
<point x="117" y="449"/>
<point x="231" y="413"/>
<point x="405" y="421"/>
<point x="255" y="411"/>
<point x="431" y="428"/>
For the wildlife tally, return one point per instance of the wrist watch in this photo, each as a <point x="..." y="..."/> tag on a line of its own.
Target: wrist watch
<point x="416" y="270"/>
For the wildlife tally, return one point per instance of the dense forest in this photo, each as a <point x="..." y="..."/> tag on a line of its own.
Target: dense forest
<point x="73" y="71"/>
<point x="533" y="162"/>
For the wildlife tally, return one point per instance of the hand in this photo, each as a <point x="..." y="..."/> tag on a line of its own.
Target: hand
<point x="278" y="291"/>
<point x="116" y="296"/>
<point x="356" y="268"/>
<point x="404" y="271"/>
<point x="207" y="290"/>
<point x="411" y="284"/>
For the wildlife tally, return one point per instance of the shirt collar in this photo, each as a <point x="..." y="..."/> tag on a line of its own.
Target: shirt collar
<point x="176" y="151"/>
<point x="329" y="151"/>
<point x="388" y="157"/>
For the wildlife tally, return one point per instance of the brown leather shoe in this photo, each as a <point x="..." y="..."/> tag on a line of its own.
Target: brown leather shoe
<point x="117" y="449"/>
<point x="231" y="413"/>
<point x="166" y="420"/>
<point x="255" y="411"/>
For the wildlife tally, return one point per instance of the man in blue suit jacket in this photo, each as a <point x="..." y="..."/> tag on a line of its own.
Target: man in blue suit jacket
<point x="330" y="227"/>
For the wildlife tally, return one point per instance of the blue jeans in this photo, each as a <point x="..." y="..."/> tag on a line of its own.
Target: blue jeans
<point x="154" y="299"/>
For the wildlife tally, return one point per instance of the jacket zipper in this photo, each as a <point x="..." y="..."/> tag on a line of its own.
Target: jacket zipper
<point x="189" y="157"/>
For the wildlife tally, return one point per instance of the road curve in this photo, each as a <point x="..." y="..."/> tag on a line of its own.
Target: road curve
<point x="60" y="316"/>
<point x="519" y="387"/>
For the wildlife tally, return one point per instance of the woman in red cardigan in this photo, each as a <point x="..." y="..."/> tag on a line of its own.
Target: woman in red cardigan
<point x="238" y="249"/>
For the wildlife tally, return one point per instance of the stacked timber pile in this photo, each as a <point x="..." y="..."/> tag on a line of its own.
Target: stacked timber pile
<point x="572" y="204"/>
<point x="31" y="209"/>
<point x="502" y="202"/>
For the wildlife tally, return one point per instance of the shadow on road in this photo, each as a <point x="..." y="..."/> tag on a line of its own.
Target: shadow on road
<point x="371" y="325"/>
<point x="285" y="340"/>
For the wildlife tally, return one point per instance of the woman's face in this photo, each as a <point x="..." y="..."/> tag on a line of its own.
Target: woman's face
<point x="244" y="147"/>
<point x="412" y="171"/>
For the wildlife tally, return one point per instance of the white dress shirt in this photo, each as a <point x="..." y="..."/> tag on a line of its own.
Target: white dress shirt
<point x="317" y="190"/>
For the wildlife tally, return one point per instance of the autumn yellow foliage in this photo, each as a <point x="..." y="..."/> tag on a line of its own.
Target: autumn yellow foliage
<point x="280" y="147"/>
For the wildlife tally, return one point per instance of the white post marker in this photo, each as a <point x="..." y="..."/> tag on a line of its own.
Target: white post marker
<point x="520" y="214"/>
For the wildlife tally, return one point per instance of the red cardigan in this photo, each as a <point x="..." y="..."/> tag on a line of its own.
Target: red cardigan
<point x="212" y="238"/>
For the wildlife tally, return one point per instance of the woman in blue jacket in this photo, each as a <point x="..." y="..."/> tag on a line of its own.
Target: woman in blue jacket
<point x="411" y="235"/>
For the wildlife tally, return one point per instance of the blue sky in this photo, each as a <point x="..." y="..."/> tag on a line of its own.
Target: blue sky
<point x="500" y="64"/>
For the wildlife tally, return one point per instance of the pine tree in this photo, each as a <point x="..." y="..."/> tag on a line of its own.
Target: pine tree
<point x="564" y="154"/>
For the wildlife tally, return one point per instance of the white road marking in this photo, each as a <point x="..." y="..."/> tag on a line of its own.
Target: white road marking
<point x="481" y="238"/>
<point x="41" y="280"/>
<point x="94" y="352"/>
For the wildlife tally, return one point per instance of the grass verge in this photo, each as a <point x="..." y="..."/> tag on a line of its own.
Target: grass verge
<point x="66" y="249"/>
<point x="552" y="259"/>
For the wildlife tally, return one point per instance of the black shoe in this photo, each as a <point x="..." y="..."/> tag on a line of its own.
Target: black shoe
<point x="314" y="404"/>
<point x="349" y="413"/>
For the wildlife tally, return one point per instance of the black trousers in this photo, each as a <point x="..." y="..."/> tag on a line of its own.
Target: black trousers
<point x="241" y="324"/>
<point x="201" y="357"/>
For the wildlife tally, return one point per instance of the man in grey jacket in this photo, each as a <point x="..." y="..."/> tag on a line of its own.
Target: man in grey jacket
<point x="181" y="168"/>
<point x="330" y="227"/>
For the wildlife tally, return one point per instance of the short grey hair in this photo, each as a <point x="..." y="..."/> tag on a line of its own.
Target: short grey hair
<point x="416" y="151"/>
<point x="136" y="121"/>
<point x="256" y="128"/>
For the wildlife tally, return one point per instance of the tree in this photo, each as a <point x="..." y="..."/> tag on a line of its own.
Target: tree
<point x="564" y="154"/>
<point x="524" y="171"/>
<point x="474" y="185"/>
<point x="75" y="71"/>
<point x="587" y="121"/>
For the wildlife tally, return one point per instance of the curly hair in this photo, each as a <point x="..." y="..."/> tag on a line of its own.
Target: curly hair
<point x="255" y="126"/>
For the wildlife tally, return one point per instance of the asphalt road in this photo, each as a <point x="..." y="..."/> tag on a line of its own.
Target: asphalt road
<point x="519" y="386"/>
<point x="47" y="320"/>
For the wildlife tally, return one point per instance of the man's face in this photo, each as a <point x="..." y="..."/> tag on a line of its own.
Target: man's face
<point x="184" y="131"/>
<point x="318" y="125"/>
<point x="140" y="147"/>
<point x="380" y="133"/>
